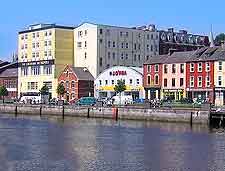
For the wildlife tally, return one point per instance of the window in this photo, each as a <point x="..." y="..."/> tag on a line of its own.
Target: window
<point x="106" y="82"/>
<point x="173" y="82"/>
<point x="47" y="69"/>
<point x="49" y="43"/>
<point x="207" y="67"/>
<point x="85" y="32"/>
<point x="219" y="80"/>
<point x="67" y="85"/>
<point x="85" y="55"/>
<point x="157" y="68"/>
<point x="138" y="82"/>
<point x="122" y="45"/>
<point x="26" y="36"/>
<point x="113" y="82"/>
<point x="173" y="68"/>
<point x="207" y="81"/>
<point x="79" y="44"/>
<point x="25" y="46"/>
<point x="37" y="45"/>
<point x="192" y="81"/>
<point x="85" y="44"/>
<point x="46" y="43"/>
<point x="33" y="45"/>
<point x="100" y="82"/>
<point x="165" y="82"/>
<point x="113" y="55"/>
<point x="114" y="44"/>
<point x="148" y="68"/>
<point x="100" y="41"/>
<point x="37" y="55"/>
<point x="165" y="69"/>
<point x="147" y="47"/>
<point x="35" y="70"/>
<point x="135" y="57"/>
<point x="139" y="46"/>
<point x="156" y="79"/>
<point x="46" y="53"/>
<point x="33" y="35"/>
<point x="148" y="79"/>
<point x="109" y="44"/>
<point x="48" y="84"/>
<point x="148" y="36"/>
<point x="192" y="66"/>
<point x="127" y="34"/>
<point x="139" y="57"/>
<point x="181" y="68"/>
<point x="181" y="82"/>
<point x="126" y="56"/>
<point x="131" y="81"/>
<point x="121" y="34"/>
<point x="200" y="67"/>
<point x="49" y="53"/>
<point x="220" y="65"/>
<point x="100" y="61"/>
<point x="109" y="55"/>
<point x="24" y="71"/>
<point x="32" y="85"/>
<point x="199" y="81"/>
<point x="127" y="45"/>
<point x="121" y="55"/>
<point x="100" y="31"/>
<point x="135" y="46"/>
<point x="151" y="48"/>
<point x="33" y="55"/>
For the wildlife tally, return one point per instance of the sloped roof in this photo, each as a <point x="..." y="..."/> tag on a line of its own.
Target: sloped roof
<point x="82" y="73"/>
<point x="179" y="57"/>
<point x="158" y="59"/>
<point x="10" y="72"/>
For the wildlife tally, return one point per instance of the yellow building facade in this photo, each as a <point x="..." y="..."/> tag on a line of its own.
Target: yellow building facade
<point x="43" y="51"/>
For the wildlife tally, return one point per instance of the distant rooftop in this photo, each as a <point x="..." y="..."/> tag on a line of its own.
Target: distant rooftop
<point x="43" y="26"/>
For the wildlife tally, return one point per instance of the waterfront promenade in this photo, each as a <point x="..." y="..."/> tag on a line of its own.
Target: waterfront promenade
<point x="195" y="116"/>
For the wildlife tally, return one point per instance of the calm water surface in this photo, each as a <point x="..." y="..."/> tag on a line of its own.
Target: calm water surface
<point x="49" y="144"/>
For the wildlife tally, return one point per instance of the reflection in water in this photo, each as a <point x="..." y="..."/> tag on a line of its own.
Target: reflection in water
<point x="31" y="143"/>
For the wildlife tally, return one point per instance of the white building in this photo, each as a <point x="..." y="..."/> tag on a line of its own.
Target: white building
<point x="133" y="77"/>
<point x="99" y="47"/>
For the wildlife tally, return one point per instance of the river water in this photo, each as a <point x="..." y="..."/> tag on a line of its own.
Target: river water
<point x="50" y="144"/>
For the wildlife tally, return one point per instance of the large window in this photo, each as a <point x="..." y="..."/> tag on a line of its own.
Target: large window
<point x="165" y="82"/>
<point x="173" y="82"/>
<point x="200" y="81"/>
<point x="47" y="69"/>
<point x="24" y="71"/>
<point x="192" y="79"/>
<point x="157" y="68"/>
<point x="200" y="67"/>
<point x="35" y="70"/>
<point x="220" y="66"/>
<point x="173" y="68"/>
<point x="156" y="79"/>
<point x="192" y="67"/>
<point x="219" y="80"/>
<point x="165" y="69"/>
<point x="181" y="68"/>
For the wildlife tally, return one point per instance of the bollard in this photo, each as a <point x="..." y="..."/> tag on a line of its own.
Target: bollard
<point x="88" y="113"/>
<point x="16" y="112"/>
<point x="191" y="118"/>
<point x="40" y="111"/>
<point x="116" y="114"/>
<point x="63" y="112"/>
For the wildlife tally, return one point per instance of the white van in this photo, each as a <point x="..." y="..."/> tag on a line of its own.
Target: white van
<point x="34" y="98"/>
<point x="125" y="99"/>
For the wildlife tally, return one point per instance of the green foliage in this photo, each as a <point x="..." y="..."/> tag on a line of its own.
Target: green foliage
<point x="120" y="87"/>
<point x="61" y="89"/>
<point x="44" y="90"/>
<point x="3" y="92"/>
<point x="220" y="38"/>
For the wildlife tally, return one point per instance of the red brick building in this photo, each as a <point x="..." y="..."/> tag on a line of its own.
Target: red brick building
<point x="77" y="81"/>
<point x="152" y="73"/>
<point x="9" y="78"/>
<point x="200" y="75"/>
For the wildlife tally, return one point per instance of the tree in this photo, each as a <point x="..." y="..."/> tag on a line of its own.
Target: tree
<point x="60" y="90"/>
<point x="120" y="87"/>
<point x="44" y="90"/>
<point x="220" y="38"/>
<point x="3" y="92"/>
<point x="44" y="94"/>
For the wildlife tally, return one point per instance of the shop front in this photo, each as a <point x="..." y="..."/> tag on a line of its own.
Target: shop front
<point x="173" y="94"/>
<point x="206" y="95"/>
<point x="219" y="96"/>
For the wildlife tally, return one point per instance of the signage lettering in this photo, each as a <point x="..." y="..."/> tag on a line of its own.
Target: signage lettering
<point x="35" y="63"/>
<point x="117" y="73"/>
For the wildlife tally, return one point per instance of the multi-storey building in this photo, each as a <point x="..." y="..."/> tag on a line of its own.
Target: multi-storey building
<point x="99" y="47"/>
<point x="43" y="51"/>
<point x="180" y="41"/>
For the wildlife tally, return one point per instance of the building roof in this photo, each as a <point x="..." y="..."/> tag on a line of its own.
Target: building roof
<point x="10" y="72"/>
<point x="40" y="27"/>
<point x="203" y="54"/>
<point x="179" y="57"/>
<point x="158" y="59"/>
<point x="82" y="73"/>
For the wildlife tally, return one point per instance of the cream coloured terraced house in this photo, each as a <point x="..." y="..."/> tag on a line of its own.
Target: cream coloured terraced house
<point x="99" y="47"/>
<point x="43" y="51"/>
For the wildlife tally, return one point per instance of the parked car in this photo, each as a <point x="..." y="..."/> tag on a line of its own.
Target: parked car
<point x="86" y="101"/>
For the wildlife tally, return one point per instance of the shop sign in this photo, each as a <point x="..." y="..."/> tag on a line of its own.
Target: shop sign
<point x="117" y="73"/>
<point x="35" y="63"/>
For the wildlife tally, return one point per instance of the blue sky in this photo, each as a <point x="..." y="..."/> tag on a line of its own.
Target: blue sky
<point x="194" y="15"/>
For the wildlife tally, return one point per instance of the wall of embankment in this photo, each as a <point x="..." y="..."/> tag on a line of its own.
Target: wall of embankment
<point x="163" y="115"/>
